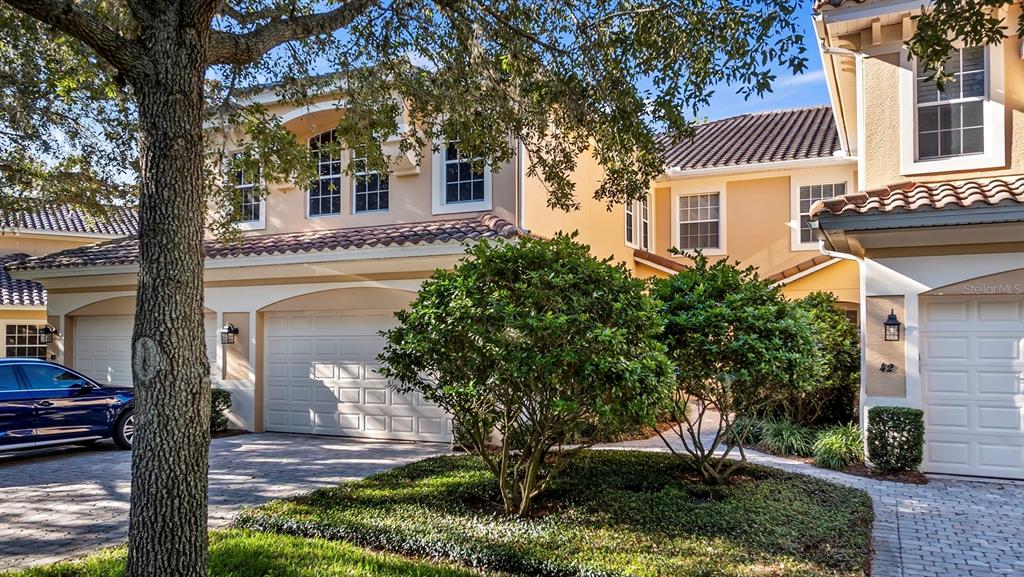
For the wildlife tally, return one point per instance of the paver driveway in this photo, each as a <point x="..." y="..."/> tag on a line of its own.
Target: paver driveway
<point x="68" y="502"/>
<point x="947" y="528"/>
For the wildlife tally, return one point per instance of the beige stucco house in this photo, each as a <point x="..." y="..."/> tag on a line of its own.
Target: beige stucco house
<point x="938" y="229"/>
<point x="35" y="232"/>
<point x="741" y="189"/>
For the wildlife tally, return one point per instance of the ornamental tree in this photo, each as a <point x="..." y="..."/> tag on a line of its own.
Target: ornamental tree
<point x="735" y="341"/>
<point x="528" y="344"/>
<point x="113" y="99"/>
<point x="945" y="23"/>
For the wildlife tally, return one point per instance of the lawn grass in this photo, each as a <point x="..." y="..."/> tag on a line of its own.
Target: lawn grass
<point x="239" y="553"/>
<point x="611" y="513"/>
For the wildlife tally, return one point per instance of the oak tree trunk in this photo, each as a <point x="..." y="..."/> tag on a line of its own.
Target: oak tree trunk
<point x="168" y="518"/>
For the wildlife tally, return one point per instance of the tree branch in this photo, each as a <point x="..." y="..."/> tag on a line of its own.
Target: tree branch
<point x="244" y="49"/>
<point x="67" y="17"/>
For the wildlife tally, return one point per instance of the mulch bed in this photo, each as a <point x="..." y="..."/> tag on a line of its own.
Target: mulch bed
<point x="228" y="433"/>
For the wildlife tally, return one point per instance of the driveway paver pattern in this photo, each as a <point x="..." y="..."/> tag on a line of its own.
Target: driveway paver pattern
<point x="67" y="502"/>
<point x="947" y="528"/>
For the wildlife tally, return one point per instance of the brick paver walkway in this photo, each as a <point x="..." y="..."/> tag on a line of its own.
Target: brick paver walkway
<point x="947" y="528"/>
<point x="67" y="502"/>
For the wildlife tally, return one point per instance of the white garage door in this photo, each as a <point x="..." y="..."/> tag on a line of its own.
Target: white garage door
<point x="321" y="378"/>
<point x="972" y="379"/>
<point x="102" y="347"/>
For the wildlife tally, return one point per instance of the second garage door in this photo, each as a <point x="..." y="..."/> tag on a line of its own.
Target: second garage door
<point x="103" y="351"/>
<point x="972" y="383"/>
<point x="321" y="378"/>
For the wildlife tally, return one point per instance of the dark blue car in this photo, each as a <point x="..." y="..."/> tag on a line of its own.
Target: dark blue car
<point x="43" y="403"/>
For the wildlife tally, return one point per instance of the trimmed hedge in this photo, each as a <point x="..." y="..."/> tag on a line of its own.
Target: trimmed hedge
<point x="895" y="438"/>
<point x="220" y="402"/>
<point x="610" y="513"/>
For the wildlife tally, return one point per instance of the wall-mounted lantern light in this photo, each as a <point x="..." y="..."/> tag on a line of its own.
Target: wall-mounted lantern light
<point x="227" y="334"/>
<point x="892" y="327"/>
<point x="46" y="335"/>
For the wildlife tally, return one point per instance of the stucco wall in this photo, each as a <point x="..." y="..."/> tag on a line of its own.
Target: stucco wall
<point x="883" y="114"/>
<point x="841" y="279"/>
<point x="409" y="194"/>
<point x="34" y="245"/>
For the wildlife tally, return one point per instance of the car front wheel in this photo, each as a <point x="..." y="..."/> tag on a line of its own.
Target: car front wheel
<point x="124" y="430"/>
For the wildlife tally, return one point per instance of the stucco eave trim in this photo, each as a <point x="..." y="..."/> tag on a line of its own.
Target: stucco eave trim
<point x="339" y="255"/>
<point x="676" y="173"/>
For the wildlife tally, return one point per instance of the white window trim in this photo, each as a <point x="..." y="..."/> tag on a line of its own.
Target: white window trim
<point x="438" y="204"/>
<point x="722" y="246"/>
<point x="637" y="218"/>
<point x="342" y="182"/>
<point x="3" y="334"/>
<point x="261" y="222"/>
<point x="352" y="184"/>
<point x="796" y="182"/>
<point x="994" y="118"/>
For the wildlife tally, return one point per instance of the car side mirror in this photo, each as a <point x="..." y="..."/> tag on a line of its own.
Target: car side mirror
<point x="82" y="387"/>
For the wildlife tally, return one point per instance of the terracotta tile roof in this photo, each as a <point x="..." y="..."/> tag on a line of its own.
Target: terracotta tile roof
<point x="779" y="135"/>
<point x="658" y="260"/>
<point x="14" y="292"/>
<point x="910" y="196"/>
<point x="799" y="268"/>
<point x="117" y="220"/>
<point x="125" y="251"/>
<point x="823" y="4"/>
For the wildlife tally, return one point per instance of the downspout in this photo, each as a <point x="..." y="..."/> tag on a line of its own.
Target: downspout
<point x="521" y="187"/>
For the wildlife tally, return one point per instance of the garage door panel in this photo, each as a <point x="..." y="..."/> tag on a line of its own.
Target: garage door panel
<point x="972" y="382"/>
<point x="332" y="358"/>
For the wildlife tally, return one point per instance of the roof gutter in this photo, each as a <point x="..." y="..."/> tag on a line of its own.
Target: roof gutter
<point x="675" y="172"/>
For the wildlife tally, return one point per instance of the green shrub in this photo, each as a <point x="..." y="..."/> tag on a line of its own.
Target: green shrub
<point x="839" y="446"/>
<point x="831" y="398"/>
<point x="895" y="438"/>
<point x="220" y="402"/>
<point x="538" y="341"/>
<point x="782" y="437"/>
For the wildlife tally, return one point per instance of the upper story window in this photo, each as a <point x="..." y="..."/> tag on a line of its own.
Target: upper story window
<point x="638" y="224"/>
<point x="809" y="194"/>
<point x="463" y="176"/>
<point x="700" y="221"/>
<point x="250" y="206"/>
<point x="461" y="183"/>
<point x="951" y="120"/>
<point x="959" y="128"/>
<point x="370" y="187"/>
<point x="325" y="192"/>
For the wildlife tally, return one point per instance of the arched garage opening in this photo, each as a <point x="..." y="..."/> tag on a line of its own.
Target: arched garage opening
<point x="319" y="374"/>
<point x="97" y="339"/>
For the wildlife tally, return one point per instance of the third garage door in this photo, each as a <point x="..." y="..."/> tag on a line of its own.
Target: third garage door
<point x="972" y="381"/>
<point x="321" y="378"/>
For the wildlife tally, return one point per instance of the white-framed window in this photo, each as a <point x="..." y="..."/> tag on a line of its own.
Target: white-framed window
<point x="325" y="191"/>
<point x="461" y="183"/>
<point x="951" y="120"/>
<point x="251" y="208"/>
<point x="370" y="188"/>
<point x="638" y="224"/>
<point x="962" y="126"/>
<point x="699" y="218"/>
<point x="22" y="341"/>
<point x="809" y="194"/>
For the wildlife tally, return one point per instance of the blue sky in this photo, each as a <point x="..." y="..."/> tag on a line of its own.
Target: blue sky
<point x="788" y="91"/>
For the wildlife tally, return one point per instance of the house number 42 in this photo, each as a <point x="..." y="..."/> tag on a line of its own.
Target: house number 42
<point x="887" y="368"/>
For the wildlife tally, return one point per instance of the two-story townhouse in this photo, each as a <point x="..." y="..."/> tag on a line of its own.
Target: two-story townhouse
<point x="740" y="188"/>
<point x="938" y="228"/>
<point x="293" y="308"/>
<point x="39" y="231"/>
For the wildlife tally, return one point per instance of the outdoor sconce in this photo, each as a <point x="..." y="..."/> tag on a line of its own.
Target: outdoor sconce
<point x="46" y="335"/>
<point x="227" y="334"/>
<point x="892" y="327"/>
